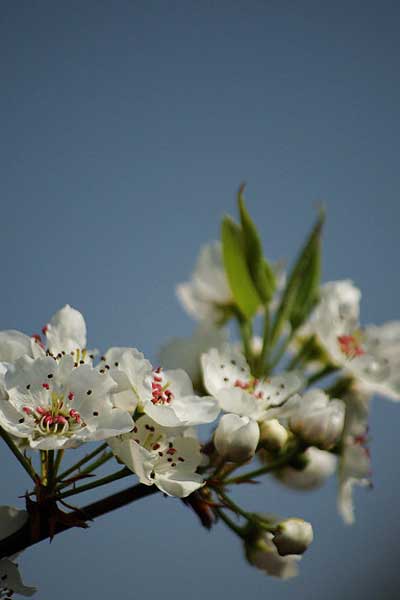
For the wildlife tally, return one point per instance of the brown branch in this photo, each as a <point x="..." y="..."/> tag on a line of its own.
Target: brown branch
<point x="25" y="537"/>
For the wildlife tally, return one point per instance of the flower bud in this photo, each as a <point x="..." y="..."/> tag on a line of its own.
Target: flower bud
<point x="293" y="537"/>
<point x="319" y="465"/>
<point x="318" y="420"/>
<point x="236" y="438"/>
<point x="273" y="435"/>
<point x="262" y="553"/>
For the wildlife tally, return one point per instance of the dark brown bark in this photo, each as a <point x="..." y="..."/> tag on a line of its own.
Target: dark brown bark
<point x="31" y="533"/>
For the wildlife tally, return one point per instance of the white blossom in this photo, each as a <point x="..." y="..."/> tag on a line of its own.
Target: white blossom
<point x="207" y="295"/>
<point x="185" y="352"/>
<point x="236" y="438"/>
<point x="65" y="333"/>
<point x="262" y="553"/>
<point x="354" y="466"/>
<point x="55" y="404"/>
<point x="293" y="536"/>
<point x="370" y="354"/>
<point x="228" y="378"/>
<point x="319" y="466"/>
<point x="166" y="396"/>
<point x="11" y="520"/>
<point x="316" y="419"/>
<point x="165" y="457"/>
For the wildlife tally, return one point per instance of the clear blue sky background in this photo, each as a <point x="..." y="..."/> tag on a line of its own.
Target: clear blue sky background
<point x="126" y="128"/>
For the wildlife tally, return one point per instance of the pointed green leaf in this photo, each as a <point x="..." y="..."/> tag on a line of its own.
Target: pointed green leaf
<point x="239" y="278"/>
<point x="302" y="286"/>
<point x="260" y="271"/>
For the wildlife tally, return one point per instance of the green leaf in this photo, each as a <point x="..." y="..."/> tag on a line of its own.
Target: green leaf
<point x="240" y="281"/>
<point x="300" y="294"/>
<point x="308" y="289"/>
<point x="260" y="270"/>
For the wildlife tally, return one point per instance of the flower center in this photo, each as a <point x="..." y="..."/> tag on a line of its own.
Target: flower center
<point x="350" y="345"/>
<point x="161" y="394"/>
<point x="250" y="387"/>
<point x="56" y="417"/>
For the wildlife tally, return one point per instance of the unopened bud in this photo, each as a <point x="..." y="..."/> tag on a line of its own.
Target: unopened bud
<point x="318" y="466"/>
<point x="293" y="537"/>
<point x="318" y="420"/>
<point x="273" y="435"/>
<point x="236" y="438"/>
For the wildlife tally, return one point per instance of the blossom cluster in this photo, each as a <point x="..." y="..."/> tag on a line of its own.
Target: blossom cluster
<point x="299" y="422"/>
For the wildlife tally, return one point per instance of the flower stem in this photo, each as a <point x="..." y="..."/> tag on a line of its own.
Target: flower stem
<point x="25" y="463"/>
<point x="265" y="344"/>
<point x="124" y="472"/>
<point x="280" y="353"/>
<point x="84" y="460"/>
<point x="97" y="463"/>
<point x="235" y="528"/>
<point x="58" y="460"/>
<point x="324" y="372"/>
<point x="280" y="462"/>
<point x="303" y="353"/>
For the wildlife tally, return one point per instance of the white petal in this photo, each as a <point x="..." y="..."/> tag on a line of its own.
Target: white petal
<point x="11" y="520"/>
<point x="11" y="579"/>
<point x="139" y="460"/>
<point x="13" y="345"/>
<point x="66" y="331"/>
<point x="179" y="485"/>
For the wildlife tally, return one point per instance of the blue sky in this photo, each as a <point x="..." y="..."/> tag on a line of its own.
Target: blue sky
<point x="126" y="129"/>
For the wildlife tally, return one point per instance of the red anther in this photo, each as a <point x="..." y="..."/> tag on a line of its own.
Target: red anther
<point x="156" y="446"/>
<point x="242" y="384"/>
<point x="71" y="396"/>
<point x="158" y="370"/>
<point x="75" y="415"/>
<point x="171" y="451"/>
<point x="48" y="419"/>
<point x="259" y="395"/>
<point x="350" y="346"/>
<point x="61" y="420"/>
<point x="157" y="378"/>
<point x="41" y="410"/>
<point x="46" y="386"/>
<point x="45" y="329"/>
<point x="156" y="386"/>
<point x="27" y="410"/>
<point x="38" y="340"/>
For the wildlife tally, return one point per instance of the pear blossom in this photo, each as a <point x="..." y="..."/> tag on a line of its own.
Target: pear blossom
<point x="11" y="520"/>
<point x="185" y="352"/>
<point x="14" y="344"/>
<point x="165" y="396"/>
<point x="293" y="536"/>
<point x="354" y="466"/>
<point x="319" y="466"/>
<point x="165" y="457"/>
<point x="228" y="378"/>
<point x="384" y="340"/>
<point x="65" y="333"/>
<point x="55" y="404"/>
<point x="207" y="295"/>
<point x="236" y="438"/>
<point x="371" y="354"/>
<point x="262" y="553"/>
<point x="316" y="419"/>
<point x="11" y="582"/>
<point x="273" y="435"/>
